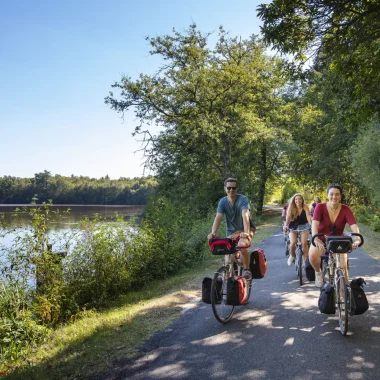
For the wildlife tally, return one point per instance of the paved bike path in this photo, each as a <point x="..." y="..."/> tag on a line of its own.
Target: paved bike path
<point x="280" y="335"/>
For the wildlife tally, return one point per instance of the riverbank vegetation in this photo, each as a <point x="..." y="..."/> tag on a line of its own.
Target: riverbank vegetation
<point x="76" y="190"/>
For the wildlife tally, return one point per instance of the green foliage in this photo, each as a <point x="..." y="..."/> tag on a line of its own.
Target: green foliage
<point x="287" y="192"/>
<point x="368" y="216"/>
<point x="105" y="259"/>
<point x="76" y="190"/>
<point x="222" y="112"/>
<point x="19" y="330"/>
<point x="365" y="159"/>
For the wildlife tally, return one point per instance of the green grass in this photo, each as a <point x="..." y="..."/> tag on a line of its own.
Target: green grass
<point x="371" y="241"/>
<point x="91" y="344"/>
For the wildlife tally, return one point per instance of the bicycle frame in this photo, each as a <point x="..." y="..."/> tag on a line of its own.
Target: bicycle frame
<point x="299" y="255"/>
<point x="232" y="266"/>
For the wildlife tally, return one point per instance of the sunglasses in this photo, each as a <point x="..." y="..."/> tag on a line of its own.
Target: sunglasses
<point x="332" y="229"/>
<point x="231" y="187"/>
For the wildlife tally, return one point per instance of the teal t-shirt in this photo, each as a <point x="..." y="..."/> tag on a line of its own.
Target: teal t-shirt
<point x="234" y="219"/>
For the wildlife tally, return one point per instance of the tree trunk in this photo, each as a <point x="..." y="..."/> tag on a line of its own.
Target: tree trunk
<point x="262" y="178"/>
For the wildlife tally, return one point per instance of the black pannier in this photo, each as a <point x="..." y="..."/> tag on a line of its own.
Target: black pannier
<point x="221" y="246"/>
<point x="359" y="302"/>
<point x="309" y="270"/>
<point x="326" y="302"/>
<point x="339" y="244"/>
<point x="206" y="290"/>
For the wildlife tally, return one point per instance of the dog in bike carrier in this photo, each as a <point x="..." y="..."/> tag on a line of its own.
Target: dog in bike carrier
<point x="339" y="244"/>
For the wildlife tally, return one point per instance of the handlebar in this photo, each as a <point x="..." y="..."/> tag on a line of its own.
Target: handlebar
<point x="360" y="236"/>
<point x="314" y="237"/>
<point x="351" y="234"/>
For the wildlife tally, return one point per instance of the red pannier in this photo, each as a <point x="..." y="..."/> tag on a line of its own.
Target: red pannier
<point x="258" y="263"/>
<point x="237" y="291"/>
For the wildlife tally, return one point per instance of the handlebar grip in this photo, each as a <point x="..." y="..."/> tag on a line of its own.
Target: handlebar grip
<point x="358" y="235"/>
<point x="314" y="237"/>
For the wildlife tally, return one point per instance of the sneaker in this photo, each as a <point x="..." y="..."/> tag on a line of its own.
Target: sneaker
<point x="291" y="260"/>
<point x="247" y="274"/>
<point x="318" y="279"/>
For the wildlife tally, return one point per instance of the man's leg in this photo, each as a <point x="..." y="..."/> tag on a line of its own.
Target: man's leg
<point x="246" y="256"/>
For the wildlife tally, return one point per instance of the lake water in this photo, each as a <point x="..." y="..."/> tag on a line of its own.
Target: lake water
<point x="76" y="213"/>
<point x="59" y="226"/>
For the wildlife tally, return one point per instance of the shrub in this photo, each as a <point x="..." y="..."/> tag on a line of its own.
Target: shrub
<point x="18" y="328"/>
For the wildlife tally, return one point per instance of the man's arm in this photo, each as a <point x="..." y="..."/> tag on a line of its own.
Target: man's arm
<point x="245" y="215"/>
<point x="215" y="225"/>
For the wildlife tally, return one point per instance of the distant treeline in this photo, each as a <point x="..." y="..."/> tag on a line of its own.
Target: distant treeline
<point x="75" y="190"/>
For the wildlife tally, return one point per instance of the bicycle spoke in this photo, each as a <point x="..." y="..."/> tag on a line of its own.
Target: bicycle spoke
<point x="342" y="302"/>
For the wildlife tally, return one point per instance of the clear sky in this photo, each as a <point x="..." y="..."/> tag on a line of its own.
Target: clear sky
<point x="58" y="60"/>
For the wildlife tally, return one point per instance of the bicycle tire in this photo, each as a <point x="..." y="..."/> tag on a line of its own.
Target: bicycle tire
<point x="222" y="312"/>
<point x="342" y="302"/>
<point x="299" y="254"/>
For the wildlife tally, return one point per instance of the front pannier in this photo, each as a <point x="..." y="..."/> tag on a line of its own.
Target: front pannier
<point x="258" y="263"/>
<point x="206" y="290"/>
<point x="339" y="244"/>
<point x="309" y="270"/>
<point x="221" y="246"/>
<point x="237" y="291"/>
<point x="359" y="302"/>
<point x="326" y="301"/>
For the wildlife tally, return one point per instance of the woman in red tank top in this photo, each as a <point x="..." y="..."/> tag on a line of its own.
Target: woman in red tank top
<point x="330" y="218"/>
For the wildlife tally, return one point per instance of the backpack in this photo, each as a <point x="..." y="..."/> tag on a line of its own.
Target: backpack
<point x="206" y="290"/>
<point x="326" y="302"/>
<point x="237" y="291"/>
<point x="258" y="263"/>
<point x="309" y="270"/>
<point x="359" y="302"/>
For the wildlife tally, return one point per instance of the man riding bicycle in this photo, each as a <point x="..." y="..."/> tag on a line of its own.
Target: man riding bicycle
<point x="236" y="209"/>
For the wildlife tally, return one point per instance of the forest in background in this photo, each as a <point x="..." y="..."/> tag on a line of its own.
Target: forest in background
<point x="75" y="190"/>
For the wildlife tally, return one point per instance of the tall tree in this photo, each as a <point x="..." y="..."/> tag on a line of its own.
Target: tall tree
<point x="340" y="35"/>
<point x="214" y="105"/>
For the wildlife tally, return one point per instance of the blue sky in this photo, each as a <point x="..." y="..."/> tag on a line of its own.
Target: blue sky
<point x="58" y="60"/>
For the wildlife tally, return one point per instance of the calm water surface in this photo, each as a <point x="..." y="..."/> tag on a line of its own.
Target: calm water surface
<point x="75" y="214"/>
<point x="59" y="226"/>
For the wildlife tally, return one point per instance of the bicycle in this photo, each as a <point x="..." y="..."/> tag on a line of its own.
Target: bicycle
<point x="333" y="273"/>
<point x="299" y="255"/>
<point x="232" y="266"/>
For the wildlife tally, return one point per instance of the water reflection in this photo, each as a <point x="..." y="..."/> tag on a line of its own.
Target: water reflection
<point x="75" y="214"/>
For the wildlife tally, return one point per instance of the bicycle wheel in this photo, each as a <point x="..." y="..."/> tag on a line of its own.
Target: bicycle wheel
<point x="342" y="302"/>
<point x="287" y="253"/>
<point x="299" y="254"/>
<point x="223" y="312"/>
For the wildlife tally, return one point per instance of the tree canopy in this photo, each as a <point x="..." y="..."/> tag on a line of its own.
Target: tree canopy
<point x="221" y="110"/>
